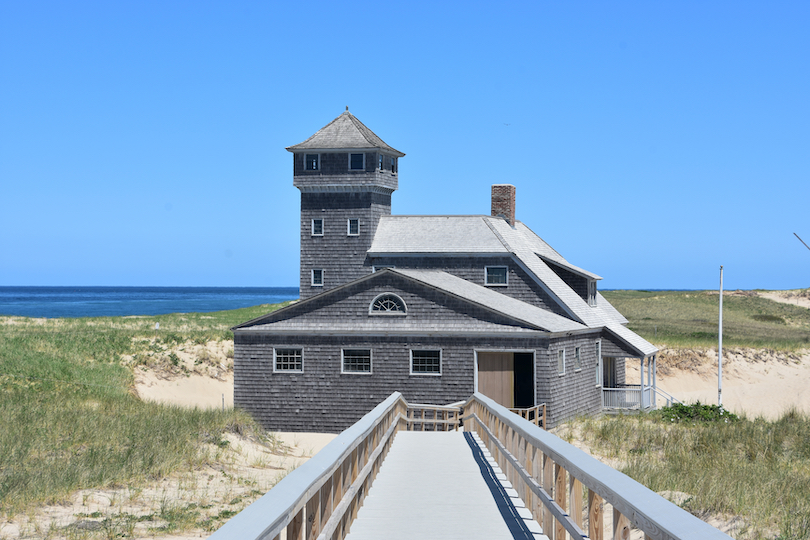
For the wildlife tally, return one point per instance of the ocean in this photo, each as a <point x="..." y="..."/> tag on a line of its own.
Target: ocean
<point x="53" y="302"/>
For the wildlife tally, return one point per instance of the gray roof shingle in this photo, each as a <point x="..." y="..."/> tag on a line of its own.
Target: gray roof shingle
<point x="345" y="132"/>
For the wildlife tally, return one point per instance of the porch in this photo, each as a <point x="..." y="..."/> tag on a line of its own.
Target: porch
<point x="617" y="395"/>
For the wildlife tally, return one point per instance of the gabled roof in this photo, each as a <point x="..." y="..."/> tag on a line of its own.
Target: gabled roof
<point x="525" y="316"/>
<point x="345" y="132"/>
<point x="476" y="235"/>
<point x="434" y="234"/>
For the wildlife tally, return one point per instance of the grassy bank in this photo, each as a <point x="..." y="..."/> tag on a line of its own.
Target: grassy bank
<point x="756" y="469"/>
<point x="70" y="420"/>
<point x="689" y="319"/>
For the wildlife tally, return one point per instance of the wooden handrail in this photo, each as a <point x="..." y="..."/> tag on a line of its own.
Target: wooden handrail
<point x="550" y="474"/>
<point x="539" y="417"/>
<point x="320" y="499"/>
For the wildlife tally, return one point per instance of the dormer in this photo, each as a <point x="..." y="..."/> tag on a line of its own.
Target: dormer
<point x="345" y="155"/>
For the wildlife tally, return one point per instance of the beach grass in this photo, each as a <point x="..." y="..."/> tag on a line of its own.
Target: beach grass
<point x="69" y="417"/>
<point x="690" y="319"/>
<point x="753" y="468"/>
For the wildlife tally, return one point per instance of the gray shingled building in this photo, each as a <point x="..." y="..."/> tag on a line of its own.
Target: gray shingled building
<point x="435" y="307"/>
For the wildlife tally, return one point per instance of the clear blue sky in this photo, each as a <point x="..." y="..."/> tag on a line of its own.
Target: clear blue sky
<point x="142" y="143"/>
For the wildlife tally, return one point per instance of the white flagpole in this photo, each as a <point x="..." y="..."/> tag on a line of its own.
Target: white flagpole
<point x="720" y="347"/>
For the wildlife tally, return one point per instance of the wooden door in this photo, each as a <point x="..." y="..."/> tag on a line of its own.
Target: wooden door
<point x="496" y="377"/>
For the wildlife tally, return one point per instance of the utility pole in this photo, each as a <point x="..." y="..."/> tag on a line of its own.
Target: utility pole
<point x="720" y="347"/>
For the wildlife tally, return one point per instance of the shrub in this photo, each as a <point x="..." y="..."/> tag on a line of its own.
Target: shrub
<point x="696" y="412"/>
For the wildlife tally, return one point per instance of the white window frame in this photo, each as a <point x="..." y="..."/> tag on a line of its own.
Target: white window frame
<point x="343" y="362"/>
<point x="422" y="373"/>
<point x="275" y="360"/>
<point x="486" y="276"/>
<point x="313" y="277"/>
<point x="577" y="359"/>
<point x="317" y="163"/>
<point x="349" y="227"/>
<point x="599" y="379"/>
<point x="388" y="313"/>
<point x="363" y="168"/>
<point x="591" y="292"/>
<point x="312" y="229"/>
<point x="561" y="361"/>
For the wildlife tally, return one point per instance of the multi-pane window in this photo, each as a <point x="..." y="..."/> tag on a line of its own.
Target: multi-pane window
<point x="393" y="164"/>
<point x="577" y="360"/>
<point x="426" y="362"/>
<point x="289" y="360"/>
<point x="312" y="162"/>
<point x="382" y="162"/>
<point x="356" y="162"/>
<point x="561" y="361"/>
<point x="317" y="227"/>
<point x="353" y="227"/>
<point x="496" y="275"/>
<point x="388" y="304"/>
<point x="317" y="277"/>
<point x="356" y="361"/>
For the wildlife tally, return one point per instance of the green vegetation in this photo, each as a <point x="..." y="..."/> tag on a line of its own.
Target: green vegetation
<point x="696" y="412"/>
<point x="69" y="420"/>
<point x="689" y="319"/>
<point x="756" y="469"/>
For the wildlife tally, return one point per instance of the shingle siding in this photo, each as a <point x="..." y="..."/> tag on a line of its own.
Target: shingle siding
<point x="325" y="400"/>
<point x="342" y="257"/>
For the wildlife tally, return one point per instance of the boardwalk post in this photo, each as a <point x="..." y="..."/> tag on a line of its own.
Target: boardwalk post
<point x="559" y="498"/>
<point x="621" y="526"/>
<point x="596" y="524"/>
<point x="548" y="485"/>
<point x="575" y="489"/>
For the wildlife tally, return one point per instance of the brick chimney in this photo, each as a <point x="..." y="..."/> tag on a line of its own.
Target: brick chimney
<point x="503" y="202"/>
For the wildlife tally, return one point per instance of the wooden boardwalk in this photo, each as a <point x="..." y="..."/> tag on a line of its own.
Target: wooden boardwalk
<point x="442" y="485"/>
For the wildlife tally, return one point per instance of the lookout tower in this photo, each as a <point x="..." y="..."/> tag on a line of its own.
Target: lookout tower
<point x="346" y="175"/>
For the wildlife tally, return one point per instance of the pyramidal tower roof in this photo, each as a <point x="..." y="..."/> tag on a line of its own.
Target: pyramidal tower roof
<point x="345" y="132"/>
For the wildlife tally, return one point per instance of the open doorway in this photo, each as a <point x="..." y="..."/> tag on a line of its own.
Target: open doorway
<point x="507" y="378"/>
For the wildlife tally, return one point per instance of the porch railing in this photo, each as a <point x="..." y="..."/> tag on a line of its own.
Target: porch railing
<point x="536" y="415"/>
<point x="551" y="477"/>
<point x="627" y="397"/>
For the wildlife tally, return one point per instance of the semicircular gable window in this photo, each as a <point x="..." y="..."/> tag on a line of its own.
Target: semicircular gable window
<point x="388" y="304"/>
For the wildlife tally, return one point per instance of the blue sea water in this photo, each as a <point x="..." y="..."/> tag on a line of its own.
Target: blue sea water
<point x="52" y="302"/>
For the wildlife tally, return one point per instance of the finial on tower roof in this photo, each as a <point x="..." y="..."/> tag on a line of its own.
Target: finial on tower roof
<point x="347" y="108"/>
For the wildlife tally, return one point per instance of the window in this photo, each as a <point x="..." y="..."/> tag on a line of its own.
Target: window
<point x="426" y="362"/>
<point x="561" y="361"/>
<point x="591" y="292"/>
<point x="393" y="164"/>
<point x="312" y="162"/>
<point x="357" y="162"/>
<point x="598" y="363"/>
<point x="317" y="227"/>
<point x="356" y="361"/>
<point x="317" y="277"/>
<point x="288" y="360"/>
<point x="353" y="227"/>
<point x="496" y="275"/>
<point x="382" y="161"/>
<point x="577" y="360"/>
<point x="388" y="304"/>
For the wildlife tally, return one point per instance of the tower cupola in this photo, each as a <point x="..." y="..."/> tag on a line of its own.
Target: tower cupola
<point x="346" y="175"/>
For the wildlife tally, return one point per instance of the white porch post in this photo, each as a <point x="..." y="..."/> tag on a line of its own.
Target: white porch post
<point x="655" y="380"/>
<point x="641" y="396"/>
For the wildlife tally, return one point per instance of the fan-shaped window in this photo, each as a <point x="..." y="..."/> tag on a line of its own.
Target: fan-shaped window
<point x="388" y="304"/>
